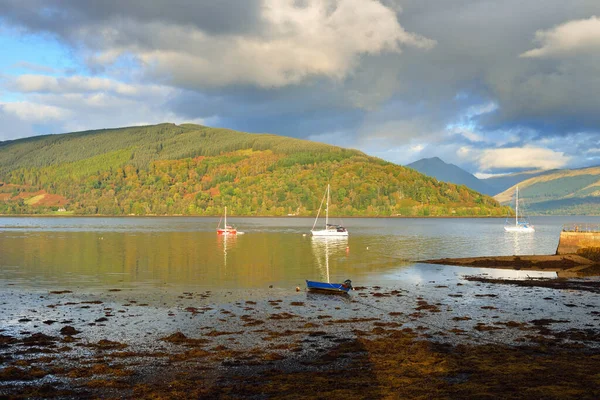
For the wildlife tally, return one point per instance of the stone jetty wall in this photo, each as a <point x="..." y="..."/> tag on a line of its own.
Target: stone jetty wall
<point x="570" y="242"/>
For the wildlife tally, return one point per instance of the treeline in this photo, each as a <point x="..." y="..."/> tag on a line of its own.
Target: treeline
<point x="145" y="144"/>
<point x="193" y="170"/>
<point x="254" y="183"/>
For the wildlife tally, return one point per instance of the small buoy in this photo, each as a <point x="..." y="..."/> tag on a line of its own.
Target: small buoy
<point x="367" y="247"/>
<point x="347" y="249"/>
<point x="304" y="234"/>
<point x="297" y="288"/>
<point x="270" y="286"/>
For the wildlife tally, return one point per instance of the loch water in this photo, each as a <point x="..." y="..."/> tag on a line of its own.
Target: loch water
<point x="185" y="253"/>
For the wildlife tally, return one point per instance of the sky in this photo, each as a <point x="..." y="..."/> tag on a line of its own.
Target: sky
<point x="491" y="86"/>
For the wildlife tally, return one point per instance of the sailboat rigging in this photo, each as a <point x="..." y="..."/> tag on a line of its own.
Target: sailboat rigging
<point x="520" y="225"/>
<point x="330" y="229"/>
<point x="227" y="229"/>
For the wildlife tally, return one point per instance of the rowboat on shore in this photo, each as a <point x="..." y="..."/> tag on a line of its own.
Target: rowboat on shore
<point x="320" y="245"/>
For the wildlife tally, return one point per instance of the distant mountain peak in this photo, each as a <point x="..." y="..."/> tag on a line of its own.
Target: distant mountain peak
<point x="443" y="171"/>
<point x="435" y="159"/>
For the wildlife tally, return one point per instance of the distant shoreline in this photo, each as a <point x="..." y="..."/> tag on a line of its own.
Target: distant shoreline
<point x="248" y="216"/>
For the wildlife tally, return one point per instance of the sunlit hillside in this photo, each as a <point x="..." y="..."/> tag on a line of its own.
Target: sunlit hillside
<point x="196" y="170"/>
<point x="563" y="192"/>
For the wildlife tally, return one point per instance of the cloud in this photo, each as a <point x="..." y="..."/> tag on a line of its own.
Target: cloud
<point x="525" y="157"/>
<point x="290" y="40"/>
<point x="13" y="127"/>
<point x="77" y="103"/>
<point x="76" y="84"/>
<point x="34" y="67"/>
<point x="64" y="17"/>
<point x="298" y="42"/>
<point x="581" y="35"/>
<point x="35" y="112"/>
<point x="381" y="76"/>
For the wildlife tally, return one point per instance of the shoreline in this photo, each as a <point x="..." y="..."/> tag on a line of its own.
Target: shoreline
<point x="407" y="341"/>
<point x="553" y="263"/>
<point x="243" y="216"/>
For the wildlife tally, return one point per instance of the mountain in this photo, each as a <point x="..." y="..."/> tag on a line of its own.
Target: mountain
<point x="189" y="169"/>
<point x="559" y="192"/>
<point x="502" y="182"/>
<point x="445" y="172"/>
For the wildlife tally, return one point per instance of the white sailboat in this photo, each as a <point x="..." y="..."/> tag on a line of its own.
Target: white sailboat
<point x="330" y="229"/>
<point x="521" y="225"/>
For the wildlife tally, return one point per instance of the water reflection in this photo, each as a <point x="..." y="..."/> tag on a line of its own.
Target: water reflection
<point x="222" y="241"/>
<point x="183" y="253"/>
<point x="516" y="275"/>
<point x="521" y="243"/>
<point x="322" y="246"/>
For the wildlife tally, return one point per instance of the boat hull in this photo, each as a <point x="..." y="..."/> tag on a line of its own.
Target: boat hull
<point x="524" y="229"/>
<point x="329" y="233"/>
<point x="327" y="287"/>
<point x="226" y="232"/>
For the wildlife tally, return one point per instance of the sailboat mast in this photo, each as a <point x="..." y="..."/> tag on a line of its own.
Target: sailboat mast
<point x="517" y="208"/>
<point x="327" y="209"/>
<point x="225" y="219"/>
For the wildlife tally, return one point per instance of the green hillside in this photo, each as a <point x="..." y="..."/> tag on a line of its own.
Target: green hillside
<point x="195" y="170"/>
<point x="560" y="192"/>
<point x="500" y="183"/>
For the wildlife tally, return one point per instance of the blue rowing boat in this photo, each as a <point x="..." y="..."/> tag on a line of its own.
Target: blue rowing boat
<point x="330" y="287"/>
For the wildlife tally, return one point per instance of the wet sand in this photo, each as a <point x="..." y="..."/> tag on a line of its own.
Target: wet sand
<point x="436" y="339"/>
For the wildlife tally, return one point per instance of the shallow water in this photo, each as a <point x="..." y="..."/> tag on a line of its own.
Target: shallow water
<point x="144" y="274"/>
<point x="186" y="254"/>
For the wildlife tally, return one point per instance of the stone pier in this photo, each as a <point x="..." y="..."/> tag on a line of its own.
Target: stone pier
<point x="577" y="238"/>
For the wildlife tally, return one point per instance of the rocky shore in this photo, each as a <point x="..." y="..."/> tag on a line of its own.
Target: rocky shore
<point x="569" y="265"/>
<point x="451" y="339"/>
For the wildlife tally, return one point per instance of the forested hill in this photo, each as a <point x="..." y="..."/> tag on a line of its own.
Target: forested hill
<point x="559" y="192"/>
<point x="189" y="169"/>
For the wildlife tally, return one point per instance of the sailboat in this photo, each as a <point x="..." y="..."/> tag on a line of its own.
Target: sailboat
<point x="226" y="230"/>
<point x="521" y="225"/>
<point x="328" y="287"/>
<point x="330" y="229"/>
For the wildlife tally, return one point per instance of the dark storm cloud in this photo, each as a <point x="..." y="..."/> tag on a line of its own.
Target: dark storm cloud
<point x="300" y="112"/>
<point x="479" y="44"/>
<point x="62" y="16"/>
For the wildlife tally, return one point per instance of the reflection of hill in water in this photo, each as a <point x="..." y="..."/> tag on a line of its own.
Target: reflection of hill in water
<point x="107" y="259"/>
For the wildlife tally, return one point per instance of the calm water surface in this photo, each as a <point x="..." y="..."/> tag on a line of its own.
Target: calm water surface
<point x="186" y="253"/>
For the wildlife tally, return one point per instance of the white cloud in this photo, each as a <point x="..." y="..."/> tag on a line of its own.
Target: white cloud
<point x="34" y="67"/>
<point x="481" y="109"/>
<point x="81" y="103"/>
<point x="464" y="152"/>
<point x="520" y="157"/>
<point x="316" y="39"/>
<point x="581" y="35"/>
<point x="482" y="175"/>
<point x="466" y="132"/>
<point x="35" y="112"/>
<point x="30" y="83"/>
